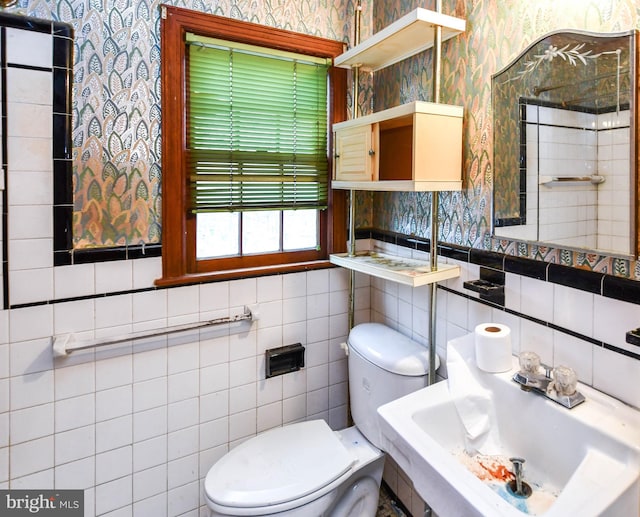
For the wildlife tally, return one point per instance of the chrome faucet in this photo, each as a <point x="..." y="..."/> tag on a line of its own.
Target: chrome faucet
<point x="558" y="384"/>
<point x="533" y="375"/>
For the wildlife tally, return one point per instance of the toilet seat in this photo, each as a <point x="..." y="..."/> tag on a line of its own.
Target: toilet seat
<point x="278" y="466"/>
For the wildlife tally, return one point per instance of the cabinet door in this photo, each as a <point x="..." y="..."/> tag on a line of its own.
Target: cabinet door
<point x="355" y="156"/>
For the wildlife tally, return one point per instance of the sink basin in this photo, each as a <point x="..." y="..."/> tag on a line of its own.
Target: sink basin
<point x="584" y="461"/>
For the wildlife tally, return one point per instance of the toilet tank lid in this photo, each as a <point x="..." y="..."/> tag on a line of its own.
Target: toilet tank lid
<point x="278" y="466"/>
<point x="390" y="350"/>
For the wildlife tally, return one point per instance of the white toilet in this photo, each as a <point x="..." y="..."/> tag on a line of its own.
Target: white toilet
<point x="308" y="470"/>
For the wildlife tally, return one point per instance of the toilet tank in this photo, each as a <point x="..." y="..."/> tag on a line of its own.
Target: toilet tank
<point x="383" y="365"/>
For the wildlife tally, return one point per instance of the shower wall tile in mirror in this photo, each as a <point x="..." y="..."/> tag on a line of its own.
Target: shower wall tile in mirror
<point x="573" y="163"/>
<point x="36" y="69"/>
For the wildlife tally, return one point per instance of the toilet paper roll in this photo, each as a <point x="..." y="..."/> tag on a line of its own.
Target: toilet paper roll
<point x="493" y="347"/>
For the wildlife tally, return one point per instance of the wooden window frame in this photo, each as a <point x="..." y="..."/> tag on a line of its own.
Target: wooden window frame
<point x="178" y="251"/>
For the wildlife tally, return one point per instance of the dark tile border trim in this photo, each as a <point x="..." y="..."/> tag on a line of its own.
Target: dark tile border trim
<point x="621" y="289"/>
<point x="609" y="286"/>
<point x="90" y="255"/>
<point x="29" y="67"/>
<point x="490" y="259"/>
<point x="526" y="101"/>
<point x="525" y="267"/>
<point x="620" y="351"/>
<point x="62" y="76"/>
<point x="576" y="278"/>
<point x="29" y="23"/>
<point x="89" y="297"/>
<point x="454" y="252"/>
<point x="66" y="256"/>
<point x="4" y="170"/>
<point x="571" y="333"/>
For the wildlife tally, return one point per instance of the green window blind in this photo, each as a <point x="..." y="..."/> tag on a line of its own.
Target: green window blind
<point x="257" y="128"/>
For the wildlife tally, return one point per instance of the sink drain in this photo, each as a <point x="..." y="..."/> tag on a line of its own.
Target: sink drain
<point x="517" y="487"/>
<point x="524" y="492"/>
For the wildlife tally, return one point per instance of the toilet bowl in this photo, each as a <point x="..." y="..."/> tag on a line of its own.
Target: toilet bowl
<point x="306" y="469"/>
<point x="300" y="469"/>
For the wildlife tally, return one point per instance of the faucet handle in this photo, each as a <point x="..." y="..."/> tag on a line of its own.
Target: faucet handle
<point x="565" y="381"/>
<point x="529" y="362"/>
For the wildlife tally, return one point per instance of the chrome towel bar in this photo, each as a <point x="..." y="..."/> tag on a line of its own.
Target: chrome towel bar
<point x="65" y="344"/>
<point x="551" y="180"/>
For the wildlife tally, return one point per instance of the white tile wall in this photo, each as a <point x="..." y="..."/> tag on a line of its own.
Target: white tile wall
<point x="568" y="212"/>
<point x="603" y="319"/>
<point x="30" y="171"/>
<point x="614" y="211"/>
<point x="29" y="48"/>
<point x="144" y="422"/>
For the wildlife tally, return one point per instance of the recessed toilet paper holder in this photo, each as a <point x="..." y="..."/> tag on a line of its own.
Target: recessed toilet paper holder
<point x="284" y="359"/>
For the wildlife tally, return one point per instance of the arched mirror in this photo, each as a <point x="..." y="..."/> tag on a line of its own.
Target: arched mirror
<point x="565" y="144"/>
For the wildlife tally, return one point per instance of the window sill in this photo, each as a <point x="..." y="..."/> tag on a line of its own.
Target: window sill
<point x="235" y="274"/>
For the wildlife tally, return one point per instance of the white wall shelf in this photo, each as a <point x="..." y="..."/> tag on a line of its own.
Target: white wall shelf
<point x="413" y="147"/>
<point x="400" y="40"/>
<point x="402" y="270"/>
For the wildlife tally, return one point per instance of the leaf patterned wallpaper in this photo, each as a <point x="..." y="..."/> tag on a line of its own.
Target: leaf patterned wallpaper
<point x="496" y="33"/>
<point x="116" y="123"/>
<point x="116" y="101"/>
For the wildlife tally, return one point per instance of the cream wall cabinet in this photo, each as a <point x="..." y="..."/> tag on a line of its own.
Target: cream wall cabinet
<point x="412" y="147"/>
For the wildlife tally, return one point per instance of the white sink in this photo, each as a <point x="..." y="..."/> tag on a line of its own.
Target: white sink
<point x="584" y="461"/>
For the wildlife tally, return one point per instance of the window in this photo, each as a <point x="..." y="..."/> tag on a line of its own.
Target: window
<point x="256" y="148"/>
<point x="245" y="117"/>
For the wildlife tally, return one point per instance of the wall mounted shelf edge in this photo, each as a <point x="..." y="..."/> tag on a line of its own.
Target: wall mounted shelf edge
<point x="407" y="271"/>
<point x="398" y="186"/>
<point x="400" y="40"/>
<point x="431" y="108"/>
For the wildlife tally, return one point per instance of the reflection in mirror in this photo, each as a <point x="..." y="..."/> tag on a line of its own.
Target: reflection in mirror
<point x="564" y="150"/>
